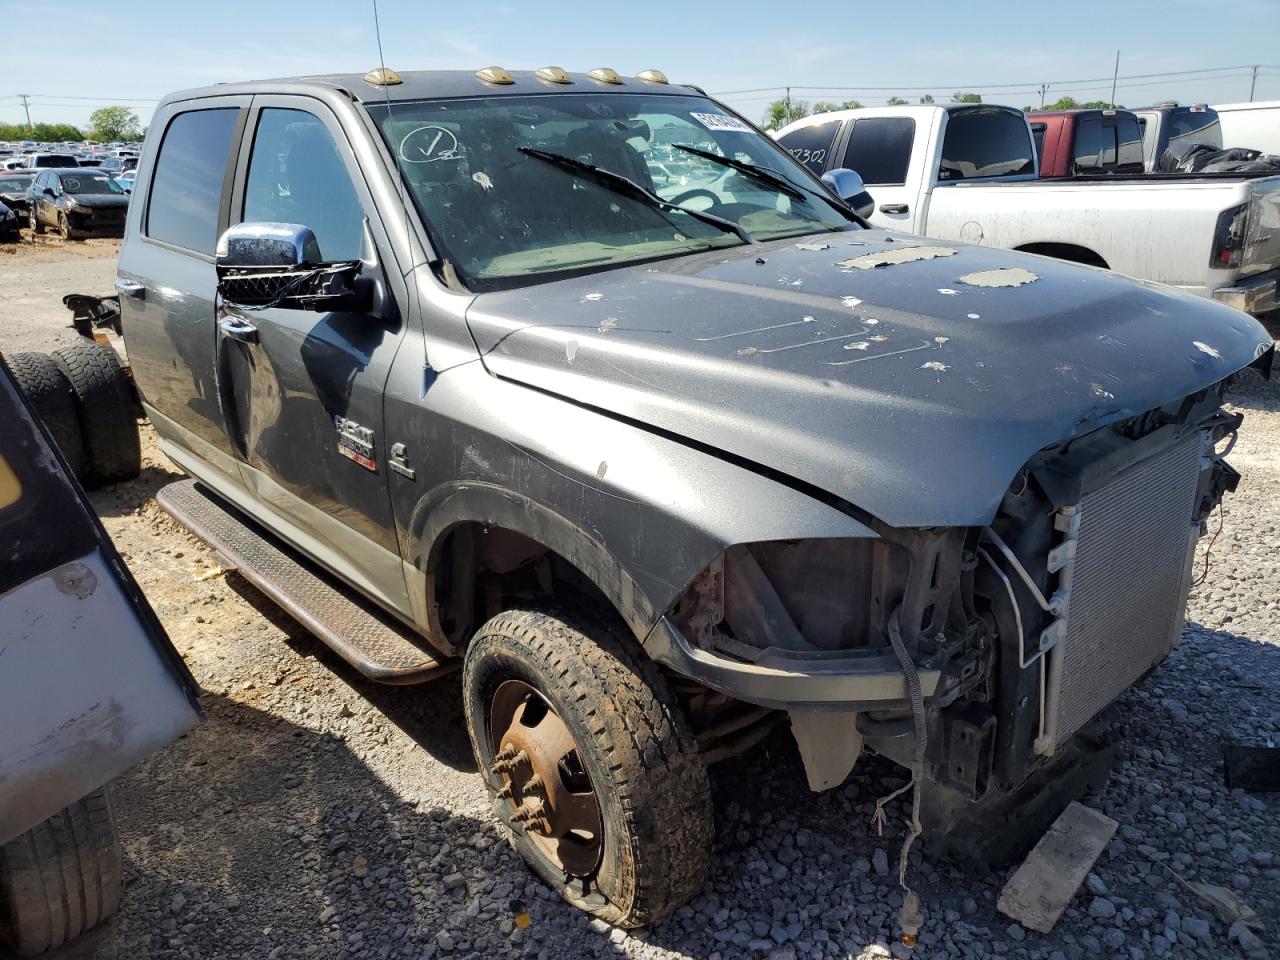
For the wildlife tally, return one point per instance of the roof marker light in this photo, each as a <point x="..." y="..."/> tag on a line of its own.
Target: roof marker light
<point x="553" y="75"/>
<point x="494" y="75"/>
<point x="382" y="77"/>
<point x="652" y="76"/>
<point x="604" y="75"/>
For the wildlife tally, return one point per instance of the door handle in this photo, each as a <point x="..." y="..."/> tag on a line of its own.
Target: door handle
<point x="893" y="208"/>
<point x="238" y="329"/>
<point x="131" y="288"/>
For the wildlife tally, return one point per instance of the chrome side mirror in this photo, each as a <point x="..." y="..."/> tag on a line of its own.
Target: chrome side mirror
<point x="262" y="265"/>
<point x="848" y="186"/>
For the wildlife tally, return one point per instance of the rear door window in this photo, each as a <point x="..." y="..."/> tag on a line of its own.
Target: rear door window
<point x="296" y="175"/>
<point x="811" y="144"/>
<point x="879" y="149"/>
<point x="186" y="189"/>
<point x="982" y="142"/>
<point x="1194" y="126"/>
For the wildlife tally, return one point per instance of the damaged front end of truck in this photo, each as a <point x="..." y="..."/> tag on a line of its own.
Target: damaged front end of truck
<point x="1018" y="633"/>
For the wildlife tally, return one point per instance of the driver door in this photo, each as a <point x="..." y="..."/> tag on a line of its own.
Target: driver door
<point x="302" y="390"/>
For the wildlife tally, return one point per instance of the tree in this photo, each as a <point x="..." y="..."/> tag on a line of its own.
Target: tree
<point x="1063" y="103"/>
<point x="927" y="99"/>
<point x="43" y="132"/>
<point x="782" y="112"/>
<point x="961" y="97"/>
<point x="896" y="102"/>
<point x="114" y="123"/>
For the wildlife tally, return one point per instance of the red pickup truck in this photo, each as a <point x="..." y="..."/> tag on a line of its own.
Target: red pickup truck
<point x="1074" y="142"/>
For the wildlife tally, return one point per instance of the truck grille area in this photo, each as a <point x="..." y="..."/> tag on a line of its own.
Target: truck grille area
<point x="1129" y="582"/>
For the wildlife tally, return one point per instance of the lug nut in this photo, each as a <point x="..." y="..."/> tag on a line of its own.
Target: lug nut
<point x="506" y="762"/>
<point x="504" y="791"/>
<point x="531" y="809"/>
<point x="532" y="785"/>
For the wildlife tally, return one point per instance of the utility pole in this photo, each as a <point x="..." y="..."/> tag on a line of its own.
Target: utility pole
<point x="787" y="118"/>
<point x="24" y="97"/>
<point x="1043" y="88"/>
<point x="1253" y="82"/>
<point x="1114" y="77"/>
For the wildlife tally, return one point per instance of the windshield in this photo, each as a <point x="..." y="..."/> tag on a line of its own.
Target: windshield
<point x="90" y="183"/>
<point x="504" y="218"/>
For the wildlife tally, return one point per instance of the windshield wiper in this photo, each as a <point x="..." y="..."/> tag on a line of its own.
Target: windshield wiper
<point x="628" y="187"/>
<point x="767" y="176"/>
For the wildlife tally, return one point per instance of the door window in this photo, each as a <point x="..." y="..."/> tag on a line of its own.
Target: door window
<point x="879" y="150"/>
<point x="296" y="175"/>
<point x="811" y="144"/>
<point x="186" y="189"/>
<point x="1128" y="145"/>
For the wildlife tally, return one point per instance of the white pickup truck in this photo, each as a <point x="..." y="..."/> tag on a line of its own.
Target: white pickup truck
<point x="969" y="172"/>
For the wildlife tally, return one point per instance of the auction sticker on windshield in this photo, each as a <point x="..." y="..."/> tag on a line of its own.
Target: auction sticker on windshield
<point x="720" y="121"/>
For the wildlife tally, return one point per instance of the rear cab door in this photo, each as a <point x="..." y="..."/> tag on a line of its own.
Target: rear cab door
<point x="167" y="283"/>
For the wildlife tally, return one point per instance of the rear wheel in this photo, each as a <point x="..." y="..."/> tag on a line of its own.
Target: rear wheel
<point x="61" y="877"/>
<point x="50" y="394"/>
<point x="104" y="403"/>
<point x="591" y="764"/>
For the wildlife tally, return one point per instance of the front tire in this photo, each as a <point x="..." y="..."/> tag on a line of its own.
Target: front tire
<point x="632" y="750"/>
<point x="33" y="222"/>
<point x="64" y="226"/>
<point x="61" y="877"/>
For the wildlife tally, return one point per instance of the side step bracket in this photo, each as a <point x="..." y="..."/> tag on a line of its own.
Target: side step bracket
<point x="363" y="636"/>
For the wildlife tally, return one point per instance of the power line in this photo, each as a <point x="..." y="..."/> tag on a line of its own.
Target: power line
<point x="998" y="86"/>
<point x="63" y="96"/>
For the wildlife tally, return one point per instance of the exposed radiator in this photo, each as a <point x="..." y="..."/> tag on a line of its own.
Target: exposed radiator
<point x="1129" y="582"/>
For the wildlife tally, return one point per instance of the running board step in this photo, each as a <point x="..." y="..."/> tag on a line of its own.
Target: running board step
<point x="359" y="633"/>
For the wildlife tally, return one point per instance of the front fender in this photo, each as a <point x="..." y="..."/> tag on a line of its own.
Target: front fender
<point x="638" y="513"/>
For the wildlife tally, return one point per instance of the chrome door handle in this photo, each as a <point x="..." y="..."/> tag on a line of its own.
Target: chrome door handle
<point x="238" y="329"/>
<point x="131" y="288"/>
<point x="893" y="208"/>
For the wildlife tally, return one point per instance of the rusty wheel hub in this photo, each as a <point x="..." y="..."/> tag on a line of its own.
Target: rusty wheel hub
<point x="544" y="779"/>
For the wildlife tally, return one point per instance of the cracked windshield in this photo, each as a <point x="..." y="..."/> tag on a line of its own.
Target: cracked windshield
<point x="520" y="187"/>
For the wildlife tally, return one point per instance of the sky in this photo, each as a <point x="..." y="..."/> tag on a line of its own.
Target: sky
<point x="92" y="54"/>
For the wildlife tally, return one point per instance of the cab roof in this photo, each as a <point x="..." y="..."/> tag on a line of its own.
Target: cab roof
<point x="430" y="84"/>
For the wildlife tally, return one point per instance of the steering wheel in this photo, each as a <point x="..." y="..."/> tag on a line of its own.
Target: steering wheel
<point x="696" y="192"/>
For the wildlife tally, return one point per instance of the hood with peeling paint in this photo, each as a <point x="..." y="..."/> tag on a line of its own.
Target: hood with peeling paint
<point x="913" y="385"/>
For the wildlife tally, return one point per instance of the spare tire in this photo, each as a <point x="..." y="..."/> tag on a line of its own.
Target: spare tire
<point x="104" y="402"/>
<point x="61" y="877"/>
<point x="50" y="394"/>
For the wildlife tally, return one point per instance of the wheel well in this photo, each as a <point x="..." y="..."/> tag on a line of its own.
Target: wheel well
<point x="1066" y="251"/>
<point x="479" y="570"/>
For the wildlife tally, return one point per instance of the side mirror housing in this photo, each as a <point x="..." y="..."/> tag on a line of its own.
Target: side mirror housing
<point x="848" y="186"/>
<point x="262" y="265"/>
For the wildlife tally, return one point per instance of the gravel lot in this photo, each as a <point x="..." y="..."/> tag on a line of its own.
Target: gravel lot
<point x="315" y="814"/>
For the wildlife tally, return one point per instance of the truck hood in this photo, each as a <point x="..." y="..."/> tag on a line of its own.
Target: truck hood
<point x="911" y="377"/>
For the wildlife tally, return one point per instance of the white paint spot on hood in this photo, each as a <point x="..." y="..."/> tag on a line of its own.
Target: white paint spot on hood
<point x="570" y="350"/>
<point x="934" y="365"/>
<point x="975" y="316"/>
<point x="1205" y="348"/>
<point x="592" y="297"/>
<point x="1098" y="391"/>
<point x="859" y="345"/>
<point x="607" y="324"/>
<point x="851" y="302"/>
<point x="1002" y="277"/>
<point x="813" y="246"/>
<point x="889" y="258"/>
<point x="948" y="292"/>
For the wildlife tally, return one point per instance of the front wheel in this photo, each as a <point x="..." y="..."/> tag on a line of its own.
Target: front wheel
<point x="591" y="763"/>
<point x="33" y="222"/>
<point x="64" y="226"/>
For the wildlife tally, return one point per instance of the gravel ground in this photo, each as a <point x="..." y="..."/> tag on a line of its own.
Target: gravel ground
<point x="315" y="814"/>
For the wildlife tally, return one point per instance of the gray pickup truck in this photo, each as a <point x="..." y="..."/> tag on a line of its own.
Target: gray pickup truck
<point x="582" y="383"/>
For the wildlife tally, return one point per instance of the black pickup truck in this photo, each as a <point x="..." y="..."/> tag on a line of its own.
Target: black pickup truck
<point x="582" y="383"/>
